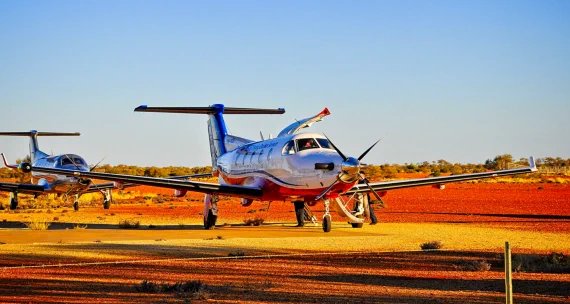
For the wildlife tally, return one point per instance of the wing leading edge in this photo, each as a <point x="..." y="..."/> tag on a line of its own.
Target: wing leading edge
<point x="21" y="188"/>
<point x="392" y="185"/>
<point x="240" y="191"/>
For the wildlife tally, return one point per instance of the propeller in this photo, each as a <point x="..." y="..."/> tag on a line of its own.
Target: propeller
<point x="349" y="170"/>
<point x="96" y="165"/>
<point x="365" y="180"/>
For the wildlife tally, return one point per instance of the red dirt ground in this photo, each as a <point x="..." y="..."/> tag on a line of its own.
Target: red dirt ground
<point x="419" y="277"/>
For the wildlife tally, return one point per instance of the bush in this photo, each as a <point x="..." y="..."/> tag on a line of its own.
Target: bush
<point x="147" y="286"/>
<point x="195" y="286"/>
<point x="37" y="225"/>
<point x="479" y="265"/>
<point x="236" y="254"/>
<point x="433" y="245"/>
<point x="551" y="263"/>
<point x="129" y="224"/>
<point x="256" y="221"/>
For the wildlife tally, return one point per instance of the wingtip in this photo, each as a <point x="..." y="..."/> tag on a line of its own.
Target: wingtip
<point x="532" y="164"/>
<point x="141" y="108"/>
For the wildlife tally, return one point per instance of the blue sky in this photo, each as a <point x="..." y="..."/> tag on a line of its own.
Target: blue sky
<point x="457" y="80"/>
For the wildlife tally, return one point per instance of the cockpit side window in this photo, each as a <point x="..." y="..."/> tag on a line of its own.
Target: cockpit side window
<point x="307" y="143"/>
<point x="289" y="148"/>
<point x="78" y="161"/>
<point x="325" y="144"/>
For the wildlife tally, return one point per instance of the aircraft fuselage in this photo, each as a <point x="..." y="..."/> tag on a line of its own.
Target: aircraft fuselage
<point x="284" y="167"/>
<point x="61" y="184"/>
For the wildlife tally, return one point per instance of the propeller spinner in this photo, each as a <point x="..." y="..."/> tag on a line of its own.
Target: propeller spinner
<point x="350" y="171"/>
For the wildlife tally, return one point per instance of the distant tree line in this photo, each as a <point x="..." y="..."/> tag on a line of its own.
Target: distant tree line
<point x="434" y="168"/>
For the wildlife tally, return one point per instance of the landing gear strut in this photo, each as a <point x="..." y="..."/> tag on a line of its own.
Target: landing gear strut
<point x="108" y="198"/>
<point x="210" y="210"/>
<point x="327" y="222"/>
<point x="13" y="200"/>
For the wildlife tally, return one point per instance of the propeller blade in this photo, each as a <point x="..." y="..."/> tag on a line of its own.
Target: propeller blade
<point x="71" y="160"/>
<point x="337" y="150"/>
<point x="326" y="190"/>
<point x="366" y="152"/>
<point x="90" y="170"/>
<point x="373" y="191"/>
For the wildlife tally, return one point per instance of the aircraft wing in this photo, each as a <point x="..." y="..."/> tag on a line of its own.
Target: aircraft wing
<point x="113" y="185"/>
<point x="172" y="183"/>
<point x="21" y="188"/>
<point x="399" y="184"/>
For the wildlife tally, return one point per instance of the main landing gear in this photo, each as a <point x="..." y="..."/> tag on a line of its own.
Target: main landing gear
<point x="108" y="198"/>
<point x="13" y="200"/>
<point x="327" y="221"/>
<point x="76" y="203"/>
<point x="210" y="211"/>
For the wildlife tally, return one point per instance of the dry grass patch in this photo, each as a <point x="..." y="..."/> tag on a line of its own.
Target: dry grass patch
<point x="129" y="224"/>
<point x="433" y="245"/>
<point x="37" y="224"/>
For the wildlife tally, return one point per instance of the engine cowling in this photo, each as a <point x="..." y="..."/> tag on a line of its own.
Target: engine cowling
<point x="439" y="186"/>
<point x="246" y="202"/>
<point x="179" y="193"/>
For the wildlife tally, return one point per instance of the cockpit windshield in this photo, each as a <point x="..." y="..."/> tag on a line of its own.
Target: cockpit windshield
<point x="325" y="144"/>
<point x="71" y="160"/>
<point x="306" y="144"/>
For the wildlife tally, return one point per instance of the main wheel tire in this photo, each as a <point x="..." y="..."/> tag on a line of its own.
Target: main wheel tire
<point x="327" y="223"/>
<point x="106" y="204"/>
<point x="210" y="220"/>
<point x="76" y="205"/>
<point x="357" y="225"/>
<point x="300" y="213"/>
<point x="13" y="204"/>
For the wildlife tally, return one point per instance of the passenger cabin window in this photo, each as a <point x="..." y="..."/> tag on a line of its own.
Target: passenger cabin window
<point x="252" y="157"/>
<point x="269" y="154"/>
<point x="325" y="144"/>
<point x="259" y="158"/>
<point x="289" y="148"/>
<point x="244" y="157"/>
<point x="306" y="144"/>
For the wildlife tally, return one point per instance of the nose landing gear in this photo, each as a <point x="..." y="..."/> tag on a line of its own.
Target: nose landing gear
<point x="13" y="200"/>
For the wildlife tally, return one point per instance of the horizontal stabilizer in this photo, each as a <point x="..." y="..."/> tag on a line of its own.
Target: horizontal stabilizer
<point x="214" y="109"/>
<point x="36" y="133"/>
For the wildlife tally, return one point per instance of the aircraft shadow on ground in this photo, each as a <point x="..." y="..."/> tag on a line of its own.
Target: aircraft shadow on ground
<point x="69" y="226"/>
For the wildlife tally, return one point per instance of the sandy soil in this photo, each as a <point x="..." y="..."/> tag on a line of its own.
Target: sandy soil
<point x="283" y="264"/>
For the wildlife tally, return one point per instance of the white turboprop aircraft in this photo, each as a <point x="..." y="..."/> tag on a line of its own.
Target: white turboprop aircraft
<point x="298" y="167"/>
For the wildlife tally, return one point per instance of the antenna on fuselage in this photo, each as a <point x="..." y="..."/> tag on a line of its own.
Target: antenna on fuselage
<point x="261" y="134"/>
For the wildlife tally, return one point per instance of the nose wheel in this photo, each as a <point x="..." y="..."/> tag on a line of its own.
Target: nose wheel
<point x="13" y="201"/>
<point x="76" y="203"/>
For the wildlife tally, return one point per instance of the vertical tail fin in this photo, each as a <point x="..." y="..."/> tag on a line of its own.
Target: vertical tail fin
<point x="217" y="130"/>
<point x="35" y="152"/>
